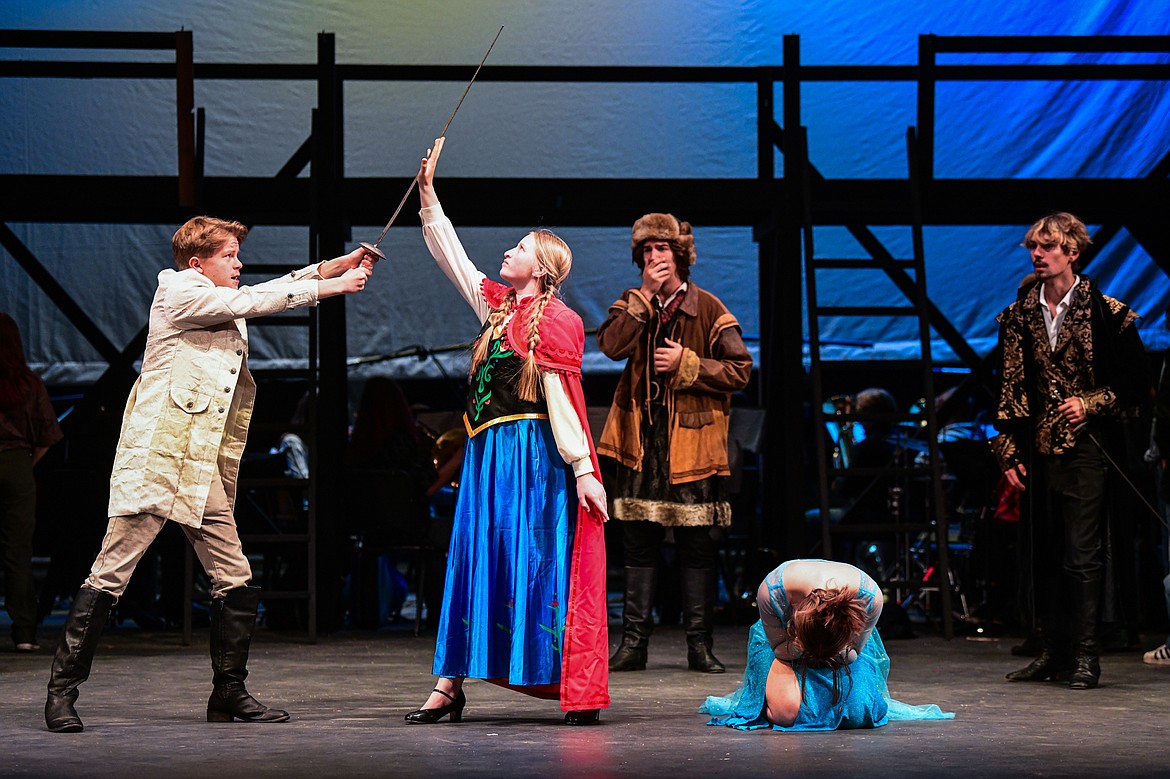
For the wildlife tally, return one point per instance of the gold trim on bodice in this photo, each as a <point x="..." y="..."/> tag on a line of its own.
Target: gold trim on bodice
<point x="497" y="420"/>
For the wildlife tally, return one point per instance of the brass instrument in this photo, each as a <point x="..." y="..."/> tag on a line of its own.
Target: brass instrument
<point x="841" y="432"/>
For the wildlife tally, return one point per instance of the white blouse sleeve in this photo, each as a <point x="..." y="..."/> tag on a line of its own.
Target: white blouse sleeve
<point x="439" y="234"/>
<point x="566" y="426"/>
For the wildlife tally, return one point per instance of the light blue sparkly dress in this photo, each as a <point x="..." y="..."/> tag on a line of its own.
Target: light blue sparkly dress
<point x="864" y="702"/>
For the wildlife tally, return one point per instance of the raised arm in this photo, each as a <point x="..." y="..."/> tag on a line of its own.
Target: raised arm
<point x="443" y="243"/>
<point x="426" y="175"/>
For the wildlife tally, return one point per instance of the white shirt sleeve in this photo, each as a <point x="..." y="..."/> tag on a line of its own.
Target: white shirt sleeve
<point x="566" y="426"/>
<point x="439" y="234"/>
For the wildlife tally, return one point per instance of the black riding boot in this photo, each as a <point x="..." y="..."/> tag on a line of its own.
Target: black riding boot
<point x="637" y="621"/>
<point x="233" y="619"/>
<point x="1086" y="646"/>
<point x="74" y="657"/>
<point x="698" y="614"/>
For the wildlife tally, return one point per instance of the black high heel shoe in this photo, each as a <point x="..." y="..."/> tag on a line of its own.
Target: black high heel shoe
<point x="586" y="717"/>
<point x="431" y="716"/>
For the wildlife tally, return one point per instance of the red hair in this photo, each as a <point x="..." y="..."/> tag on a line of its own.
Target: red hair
<point x="823" y="626"/>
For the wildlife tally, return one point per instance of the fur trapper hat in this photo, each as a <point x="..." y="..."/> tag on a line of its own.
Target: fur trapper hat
<point x="663" y="227"/>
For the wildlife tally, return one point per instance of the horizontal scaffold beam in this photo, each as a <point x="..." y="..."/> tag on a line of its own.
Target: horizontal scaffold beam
<point x="580" y="202"/>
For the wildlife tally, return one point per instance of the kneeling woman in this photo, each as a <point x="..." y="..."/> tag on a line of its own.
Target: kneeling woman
<point x="815" y="661"/>
<point x="524" y="601"/>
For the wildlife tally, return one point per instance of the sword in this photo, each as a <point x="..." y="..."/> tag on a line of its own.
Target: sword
<point x="1116" y="467"/>
<point x="372" y="248"/>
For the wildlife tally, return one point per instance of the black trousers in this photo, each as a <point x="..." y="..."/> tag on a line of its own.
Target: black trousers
<point x="643" y="544"/>
<point x="1074" y="515"/>
<point x="1068" y="542"/>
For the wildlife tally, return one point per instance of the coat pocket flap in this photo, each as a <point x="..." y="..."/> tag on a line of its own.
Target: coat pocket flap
<point x="190" y="401"/>
<point x="695" y="419"/>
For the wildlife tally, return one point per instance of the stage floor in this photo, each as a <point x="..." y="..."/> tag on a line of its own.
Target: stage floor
<point x="144" y="715"/>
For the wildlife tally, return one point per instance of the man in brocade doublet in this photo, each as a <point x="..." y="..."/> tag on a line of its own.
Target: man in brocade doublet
<point x="1073" y="368"/>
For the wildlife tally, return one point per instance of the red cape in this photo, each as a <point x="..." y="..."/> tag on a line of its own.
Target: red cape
<point x="585" y="648"/>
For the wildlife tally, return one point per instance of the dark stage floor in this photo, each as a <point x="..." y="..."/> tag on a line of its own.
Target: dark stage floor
<point x="144" y="713"/>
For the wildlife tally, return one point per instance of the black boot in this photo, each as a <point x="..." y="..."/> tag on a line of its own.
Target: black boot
<point x="1047" y="667"/>
<point x="637" y="621"/>
<point x="74" y="656"/>
<point x="1086" y="670"/>
<point x="698" y="614"/>
<point x="233" y="618"/>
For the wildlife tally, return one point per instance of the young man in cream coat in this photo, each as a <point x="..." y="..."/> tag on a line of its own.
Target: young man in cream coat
<point x="178" y="456"/>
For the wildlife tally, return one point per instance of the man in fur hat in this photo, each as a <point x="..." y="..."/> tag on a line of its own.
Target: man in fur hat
<point x="667" y="430"/>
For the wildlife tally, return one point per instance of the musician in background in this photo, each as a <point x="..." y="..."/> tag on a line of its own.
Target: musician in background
<point x="870" y="498"/>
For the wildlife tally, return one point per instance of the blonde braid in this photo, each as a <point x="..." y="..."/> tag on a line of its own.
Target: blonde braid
<point x="479" y="353"/>
<point x="528" y="383"/>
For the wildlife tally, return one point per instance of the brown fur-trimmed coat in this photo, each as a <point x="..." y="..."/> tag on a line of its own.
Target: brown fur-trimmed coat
<point x="715" y="364"/>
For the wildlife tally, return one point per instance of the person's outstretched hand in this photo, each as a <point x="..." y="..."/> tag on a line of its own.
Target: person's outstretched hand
<point x="353" y="280"/>
<point x="426" y="174"/>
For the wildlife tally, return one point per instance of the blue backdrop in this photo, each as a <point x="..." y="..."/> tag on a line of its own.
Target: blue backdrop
<point x="987" y="129"/>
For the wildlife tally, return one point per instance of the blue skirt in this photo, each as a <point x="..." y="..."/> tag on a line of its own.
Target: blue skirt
<point x="865" y="700"/>
<point x="507" y="583"/>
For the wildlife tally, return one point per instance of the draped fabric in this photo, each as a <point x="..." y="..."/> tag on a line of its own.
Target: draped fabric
<point x="586" y="660"/>
<point x="864" y="700"/>
<point x="562" y="335"/>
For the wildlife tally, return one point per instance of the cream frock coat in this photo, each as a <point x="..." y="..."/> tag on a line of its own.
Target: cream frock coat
<point x="189" y="409"/>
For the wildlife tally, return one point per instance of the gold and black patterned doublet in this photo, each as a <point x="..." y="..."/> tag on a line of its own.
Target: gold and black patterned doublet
<point x="1035" y="379"/>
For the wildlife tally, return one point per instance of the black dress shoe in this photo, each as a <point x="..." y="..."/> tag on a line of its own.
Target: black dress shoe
<point x="431" y="716"/>
<point x="1043" y="669"/>
<point x="586" y="717"/>
<point x="1085" y="674"/>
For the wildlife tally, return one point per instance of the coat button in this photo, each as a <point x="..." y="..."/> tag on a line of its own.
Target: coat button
<point x="227" y="389"/>
<point x="239" y="351"/>
<point x="233" y="370"/>
<point x="221" y="409"/>
<point x="190" y="404"/>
